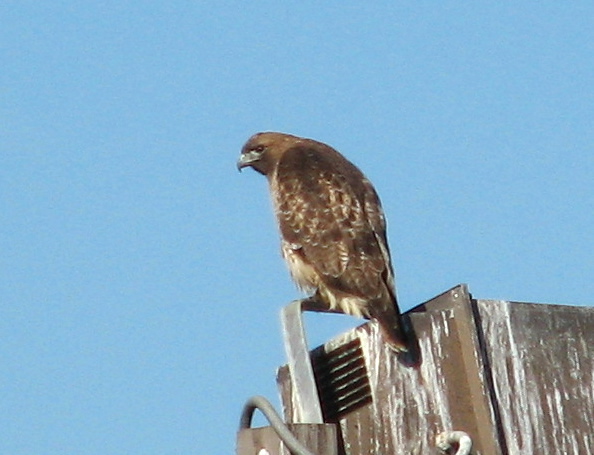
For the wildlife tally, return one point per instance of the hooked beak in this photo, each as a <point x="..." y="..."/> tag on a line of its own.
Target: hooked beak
<point x="247" y="159"/>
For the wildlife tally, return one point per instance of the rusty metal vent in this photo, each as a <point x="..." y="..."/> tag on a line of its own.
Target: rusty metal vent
<point x="341" y="378"/>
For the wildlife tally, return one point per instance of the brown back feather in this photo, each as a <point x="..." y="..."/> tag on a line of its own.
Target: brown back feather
<point x="327" y="207"/>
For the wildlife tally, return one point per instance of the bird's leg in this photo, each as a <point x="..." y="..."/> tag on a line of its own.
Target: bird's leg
<point x="313" y="304"/>
<point x="316" y="304"/>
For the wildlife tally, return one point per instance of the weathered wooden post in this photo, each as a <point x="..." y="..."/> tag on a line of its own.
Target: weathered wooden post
<point x="517" y="378"/>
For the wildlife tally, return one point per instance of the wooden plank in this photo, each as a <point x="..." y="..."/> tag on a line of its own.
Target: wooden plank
<point x="478" y="390"/>
<point x="542" y="361"/>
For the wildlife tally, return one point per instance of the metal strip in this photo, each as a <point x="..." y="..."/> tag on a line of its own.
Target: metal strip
<point x="300" y="368"/>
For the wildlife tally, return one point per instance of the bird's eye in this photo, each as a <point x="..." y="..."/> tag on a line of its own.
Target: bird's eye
<point x="259" y="149"/>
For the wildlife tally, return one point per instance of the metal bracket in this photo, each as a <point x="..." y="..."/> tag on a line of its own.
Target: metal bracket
<point x="454" y="440"/>
<point x="300" y="367"/>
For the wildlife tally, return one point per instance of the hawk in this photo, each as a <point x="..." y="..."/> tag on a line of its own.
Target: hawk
<point x="332" y="226"/>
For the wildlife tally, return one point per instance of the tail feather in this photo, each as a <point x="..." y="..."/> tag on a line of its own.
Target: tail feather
<point x="393" y="331"/>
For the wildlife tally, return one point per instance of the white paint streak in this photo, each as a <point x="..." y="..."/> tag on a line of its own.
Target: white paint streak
<point x="433" y="373"/>
<point x="446" y="327"/>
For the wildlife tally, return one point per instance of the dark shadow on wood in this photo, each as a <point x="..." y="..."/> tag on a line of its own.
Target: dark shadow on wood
<point x="488" y="375"/>
<point x="413" y="357"/>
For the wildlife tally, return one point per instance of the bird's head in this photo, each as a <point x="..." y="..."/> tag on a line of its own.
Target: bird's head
<point x="262" y="151"/>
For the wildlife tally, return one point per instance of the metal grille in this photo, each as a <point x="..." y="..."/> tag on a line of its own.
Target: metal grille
<point x="341" y="378"/>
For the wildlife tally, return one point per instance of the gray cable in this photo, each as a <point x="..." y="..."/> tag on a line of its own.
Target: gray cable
<point x="264" y="406"/>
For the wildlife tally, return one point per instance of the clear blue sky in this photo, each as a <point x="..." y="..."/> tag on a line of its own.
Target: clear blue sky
<point x="140" y="275"/>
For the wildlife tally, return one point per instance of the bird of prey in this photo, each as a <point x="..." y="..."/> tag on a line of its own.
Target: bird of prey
<point x="332" y="226"/>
